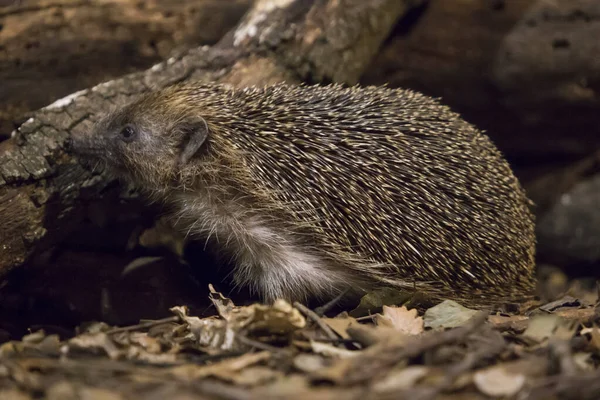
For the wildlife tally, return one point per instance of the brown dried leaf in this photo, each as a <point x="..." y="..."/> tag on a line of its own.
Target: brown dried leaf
<point x="35" y="337"/>
<point x="595" y="340"/>
<point x="517" y="323"/>
<point x="544" y="326"/>
<point x="336" y="372"/>
<point x="373" y="301"/>
<point x="583" y="361"/>
<point x="251" y="376"/>
<point x="224" y="305"/>
<point x="279" y="318"/>
<point x="401" y="319"/>
<point x="293" y="386"/>
<point x="13" y="394"/>
<point x="496" y="381"/>
<point x="541" y="327"/>
<point x="401" y="379"/>
<point x="332" y="351"/>
<point x="576" y="314"/>
<point x="567" y="301"/>
<point x="89" y="393"/>
<point x="368" y="335"/>
<point x="193" y="372"/>
<point x="209" y="332"/>
<point x="94" y="342"/>
<point x="309" y="362"/>
<point x="48" y="345"/>
<point x="340" y="325"/>
<point x="149" y="344"/>
<point x="447" y="314"/>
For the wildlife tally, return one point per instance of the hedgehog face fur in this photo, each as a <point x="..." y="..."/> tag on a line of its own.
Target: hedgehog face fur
<point x="144" y="149"/>
<point x="314" y="189"/>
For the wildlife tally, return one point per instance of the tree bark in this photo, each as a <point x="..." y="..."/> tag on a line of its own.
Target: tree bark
<point x="49" y="49"/>
<point x="43" y="190"/>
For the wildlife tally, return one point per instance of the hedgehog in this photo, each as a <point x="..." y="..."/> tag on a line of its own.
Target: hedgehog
<point x="316" y="190"/>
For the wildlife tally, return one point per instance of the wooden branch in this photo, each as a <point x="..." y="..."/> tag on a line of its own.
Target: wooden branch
<point x="43" y="189"/>
<point x="49" y="49"/>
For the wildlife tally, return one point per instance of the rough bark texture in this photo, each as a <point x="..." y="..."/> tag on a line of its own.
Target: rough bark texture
<point x="43" y="190"/>
<point x="53" y="48"/>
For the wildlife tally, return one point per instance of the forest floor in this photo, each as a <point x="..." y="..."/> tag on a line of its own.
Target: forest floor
<point x="547" y="350"/>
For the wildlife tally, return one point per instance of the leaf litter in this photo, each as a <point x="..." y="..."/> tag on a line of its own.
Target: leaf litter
<point x="286" y="351"/>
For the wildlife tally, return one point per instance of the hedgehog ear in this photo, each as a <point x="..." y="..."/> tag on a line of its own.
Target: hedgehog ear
<point x="196" y="132"/>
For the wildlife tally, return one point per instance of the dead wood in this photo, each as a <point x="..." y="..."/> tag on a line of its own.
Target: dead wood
<point x="49" y="49"/>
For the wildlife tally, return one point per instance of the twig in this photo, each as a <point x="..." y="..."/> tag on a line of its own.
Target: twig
<point x="313" y="316"/>
<point x="380" y="357"/>
<point x="320" y="311"/>
<point x="143" y="325"/>
<point x="260" y="345"/>
<point x="365" y="318"/>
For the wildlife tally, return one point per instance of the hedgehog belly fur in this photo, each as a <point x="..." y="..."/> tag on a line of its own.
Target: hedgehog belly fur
<point x="268" y="260"/>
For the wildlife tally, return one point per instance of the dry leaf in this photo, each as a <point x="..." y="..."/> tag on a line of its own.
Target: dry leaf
<point x="139" y="354"/>
<point x="515" y="322"/>
<point x="401" y="319"/>
<point x="192" y="372"/>
<point x="567" y="301"/>
<point x="496" y="381"/>
<point x="224" y="305"/>
<point x="309" y="362"/>
<point x="336" y="372"/>
<point x="373" y="301"/>
<point x="251" y="376"/>
<point x="543" y="326"/>
<point x="89" y="393"/>
<point x="332" y="351"/>
<point x="576" y="314"/>
<point x="583" y="361"/>
<point x="368" y="335"/>
<point x="448" y="314"/>
<point x="93" y="342"/>
<point x="340" y="325"/>
<point x="401" y="379"/>
<point x="209" y="332"/>
<point x="14" y="394"/>
<point x="278" y="318"/>
<point x="288" y="387"/>
<point x="596" y="338"/>
<point x="34" y="337"/>
<point x="148" y="343"/>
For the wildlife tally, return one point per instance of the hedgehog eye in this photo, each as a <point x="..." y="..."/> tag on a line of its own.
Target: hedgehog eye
<point x="128" y="133"/>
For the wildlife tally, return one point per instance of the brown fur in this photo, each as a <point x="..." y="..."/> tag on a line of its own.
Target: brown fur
<point x="313" y="189"/>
